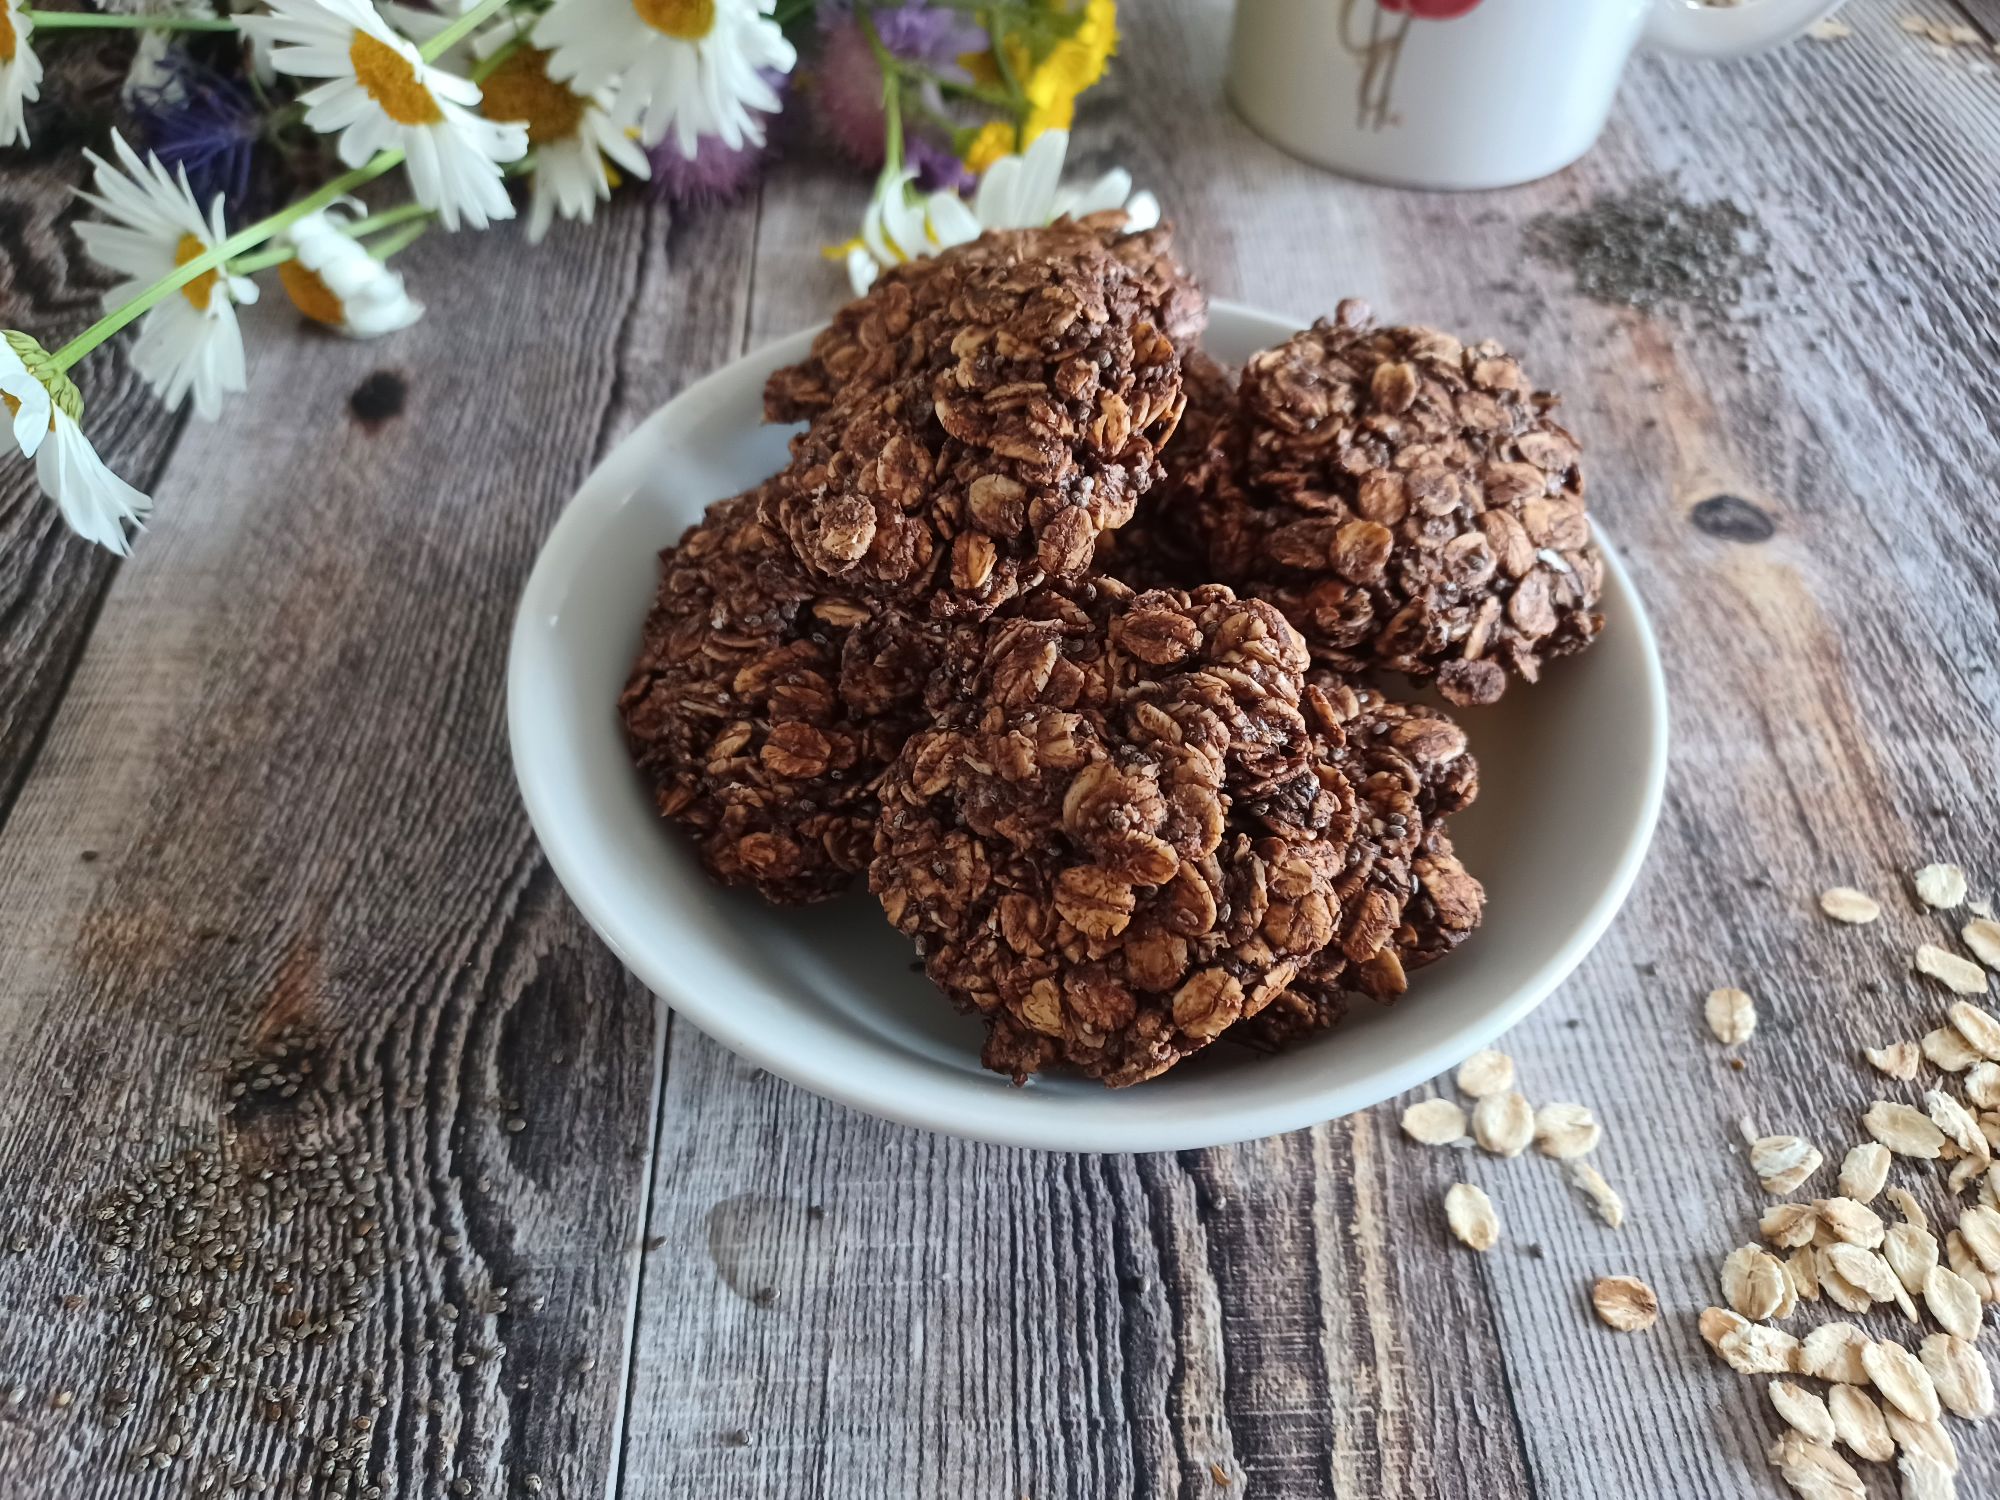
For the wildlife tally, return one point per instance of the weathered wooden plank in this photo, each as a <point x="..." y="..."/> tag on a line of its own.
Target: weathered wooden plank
<point x="275" y="812"/>
<point x="51" y="583"/>
<point x="931" y="1317"/>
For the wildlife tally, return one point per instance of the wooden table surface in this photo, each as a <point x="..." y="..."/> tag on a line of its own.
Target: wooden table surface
<point x="339" y="1153"/>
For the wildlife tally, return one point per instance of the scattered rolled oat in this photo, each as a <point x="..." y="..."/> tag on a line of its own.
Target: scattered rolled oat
<point x="1470" y="1214"/>
<point x="1830" y="30"/>
<point x="1905" y="1131"/>
<point x="1624" y="1303"/>
<point x="1898" y="1059"/>
<point x="1732" y="1015"/>
<point x="1434" y="1122"/>
<point x="1982" y="1085"/>
<point x="1912" y="1252"/>
<point x="1565" y="1131"/>
<point x="1753" y="1281"/>
<point x="1980" y="1228"/>
<point x="1850" y="1222"/>
<point x="1901" y="1378"/>
<point x="1845" y="904"/>
<point x="1982" y="936"/>
<point x="1926" y="1439"/>
<point x="1503" y="1123"/>
<point x="1783" y="1162"/>
<point x="1802" y="1410"/>
<point x="1790" y="1224"/>
<point x="1610" y="1208"/>
<point x="1967" y="1266"/>
<point x="1979" y="1027"/>
<point x="1953" y="1302"/>
<point x="1716" y="1323"/>
<point x="1485" y="1073"/>
<point x="1941" y="887"/>
<point x="1813" y="1470"/>
<point x="1959" y="1127"/>
<point x="1911" y="1210"/>
<point x="1959" y="1373"/>
<point x="1832" y="1352"/>
<point x="1802" y="1265"/>
<point x="1858" y="1423"/>
<point x="1864" y="1170"/>
<point x="1961" y="975"/>
<point x="1863" y="1270"/>
<point x="1948" y="1050"/>
<point x="1925" y="1478"/>
<point x="1756" y="1349"/>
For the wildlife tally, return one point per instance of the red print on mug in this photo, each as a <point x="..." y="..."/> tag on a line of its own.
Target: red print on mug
<point x="1430" y="10"/>
<point x="1377" y="40"/>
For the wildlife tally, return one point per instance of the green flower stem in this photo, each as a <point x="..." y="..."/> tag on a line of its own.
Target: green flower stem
<point x="387" y="246"/>
<point x="220" y="255"/>
<point x="892" y="95"/>
<point x="389" y="218"/>
<point x="460" y="29"/>
<point x="485" y="67"/>
<point x="90" y="20"/>
<point x="263" y="260"/>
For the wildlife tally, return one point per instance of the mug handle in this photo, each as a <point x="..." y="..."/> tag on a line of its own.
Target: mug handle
<point x="1690" y="29"/>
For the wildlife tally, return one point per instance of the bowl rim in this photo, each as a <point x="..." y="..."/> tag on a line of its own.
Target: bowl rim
<point x="839" y="1072"/>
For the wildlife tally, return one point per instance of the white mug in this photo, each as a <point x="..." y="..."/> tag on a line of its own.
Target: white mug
<point x="1466" y="93"/>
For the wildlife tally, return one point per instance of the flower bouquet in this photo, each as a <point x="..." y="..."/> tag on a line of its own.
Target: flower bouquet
<point x="255" y="128"/>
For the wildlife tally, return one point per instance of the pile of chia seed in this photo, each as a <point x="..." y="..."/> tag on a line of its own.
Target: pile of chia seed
<point x="1650" y="248"/>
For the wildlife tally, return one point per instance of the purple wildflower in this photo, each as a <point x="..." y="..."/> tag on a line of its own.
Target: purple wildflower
<point x="206" y="122"/>
<point x="848" y="80"/>
<point x="717" y="172"/>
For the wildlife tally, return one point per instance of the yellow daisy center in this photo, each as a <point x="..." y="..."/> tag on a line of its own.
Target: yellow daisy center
<point x="689" y="20"/>
<point x="202" y="288"/>
<point x="310" y="295"/>
<point x="9" y="43"/>
<point x="520" y="89"/>
<point x="390" y="80"/>
<point x="13" y="404"/>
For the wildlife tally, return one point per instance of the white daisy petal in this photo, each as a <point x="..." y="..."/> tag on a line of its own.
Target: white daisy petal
<point x="20" y="74"/>
<point x="94" y="501"/>
<point x="26" y="401"/>
<point x="188" y="345"/>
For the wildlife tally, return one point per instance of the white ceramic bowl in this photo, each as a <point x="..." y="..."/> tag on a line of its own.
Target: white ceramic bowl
<point x="1571" y="777"/>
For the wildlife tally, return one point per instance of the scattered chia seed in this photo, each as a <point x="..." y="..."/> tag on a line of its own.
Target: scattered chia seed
<point x="1650" y="248"/>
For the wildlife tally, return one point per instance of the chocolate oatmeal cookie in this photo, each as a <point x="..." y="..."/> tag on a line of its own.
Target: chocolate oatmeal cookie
<point x="1389" y="774"/>
<point x="885" y="336"/>
<point x="1160" y="546"/>
<point x="763" y="707"/>
<point x="1408" y="502"/>
<point x="1026" y="418"/>
<point x="1133" y="826"/>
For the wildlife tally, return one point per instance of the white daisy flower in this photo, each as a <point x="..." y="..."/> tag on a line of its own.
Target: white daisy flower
<point x="20" y="74"/>
<point x="381" y="95"/>
<point x="94" y="501"/>
<point x="1017" y="192"/>
<point x="1026" y="191"/>
<point x="571" y="132"/>
<point x="903" y="225"/>
<point x="335" y="281"/>
<point x="189" y="343"/>
<point x="690" y="66"/>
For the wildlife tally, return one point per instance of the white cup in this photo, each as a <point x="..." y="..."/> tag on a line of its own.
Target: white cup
<point x="1466" y="93"/>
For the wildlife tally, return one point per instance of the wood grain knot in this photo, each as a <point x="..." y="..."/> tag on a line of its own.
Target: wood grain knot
<point x="1731" y="518"/>
<point x="378" y="398"/>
